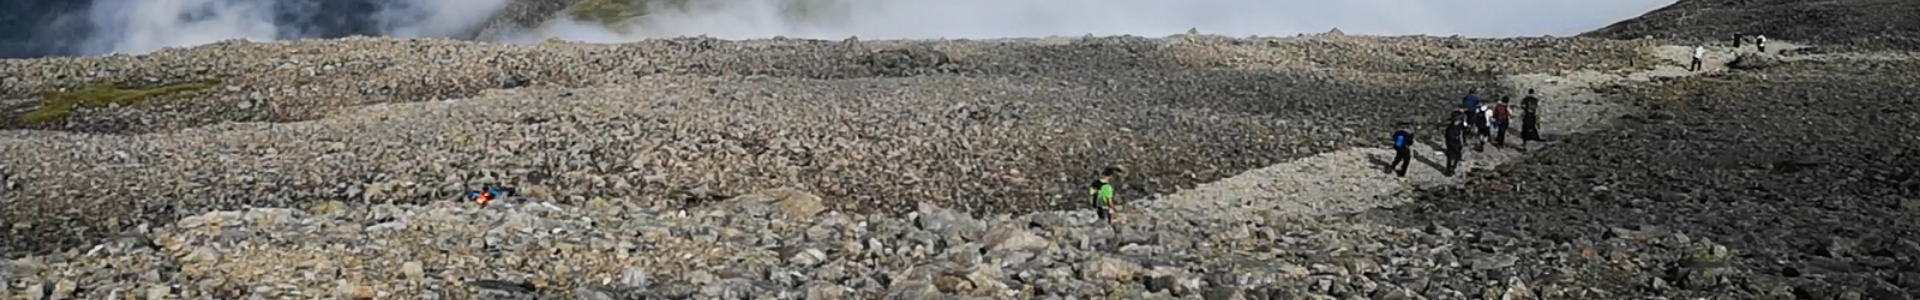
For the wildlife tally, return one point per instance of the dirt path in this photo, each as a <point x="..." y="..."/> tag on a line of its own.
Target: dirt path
<point x="1355" y="179"/>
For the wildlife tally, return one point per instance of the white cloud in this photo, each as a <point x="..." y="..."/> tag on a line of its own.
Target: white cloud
<point x="134" y="26"/>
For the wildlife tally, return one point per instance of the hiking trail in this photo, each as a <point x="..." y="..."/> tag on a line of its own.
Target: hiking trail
<point x="1355" y="179"/>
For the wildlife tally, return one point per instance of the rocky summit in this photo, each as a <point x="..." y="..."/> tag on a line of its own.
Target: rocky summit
<point x="697" y="168"/>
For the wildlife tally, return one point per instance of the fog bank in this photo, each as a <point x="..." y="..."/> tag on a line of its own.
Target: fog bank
<point x="889" y="19"/>
<point x="93" y="27"/>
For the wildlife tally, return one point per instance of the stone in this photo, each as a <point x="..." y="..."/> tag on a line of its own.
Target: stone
<point x="1108" y="268"/>
<point x="965" y="255"/>
<point x="63" y="289"/>
<point x="634" y="277"/>
<point x="797" y="204"/>
<point x="1754" y="61"/>
<point x="825" y="291"/>
<point x="807" y="257"/>
<point x="414" y="270"/>
<point x="1493" y="262"/>
<point x="914" y="290"/>
<point x="586" y="293"/>
<point x="1012" y="238"/>
<point x="158" y="292"/>
<point x="952" y="284"/>
<point x="986" y="280"/>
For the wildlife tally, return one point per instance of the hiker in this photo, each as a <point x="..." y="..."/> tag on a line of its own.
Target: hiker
<point x="1737" y="38"/>
<point x="480" y="197"/>
<point x="1102" y="192"/>
<point x="488" y="194"/>
<point x="1472" y="101"/>
<point x="1402" y="151"/>
<point x="1501" y="117"/>
<point x="1698" y="53"/>
<point x="1529" y="118"/>
<point x="1456" y="136"/>
<point x="1471" y="104"/>
<point x="1477" y="121"/>
<point x="1760" y="42"/>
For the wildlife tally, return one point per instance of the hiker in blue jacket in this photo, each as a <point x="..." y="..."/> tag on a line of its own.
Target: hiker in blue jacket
<point x="1473" y="103"/>
<point x="1402" y="151"/>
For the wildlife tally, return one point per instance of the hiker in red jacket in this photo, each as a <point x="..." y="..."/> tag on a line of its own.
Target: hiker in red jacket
<point x="1502" y="115"/>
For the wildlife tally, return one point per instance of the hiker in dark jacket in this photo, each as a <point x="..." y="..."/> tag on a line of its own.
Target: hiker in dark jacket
<point x="1529" y="118"/>
<point x="1502" y="114"/>
<point x="1472" y="101"/>
<point x="1456" y="139"/>
<point x="1402" y="151"/>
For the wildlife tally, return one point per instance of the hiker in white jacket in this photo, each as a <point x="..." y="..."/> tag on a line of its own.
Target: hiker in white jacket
<point x="1698" y="53"/>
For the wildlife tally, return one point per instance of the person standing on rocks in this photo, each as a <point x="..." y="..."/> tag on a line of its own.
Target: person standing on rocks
<point x="1477" y="119"/>
<point x="1698" y="53"/>
<point x="1760" y="43"/>
<point x="1472" y="104"/>
<point x="1456" y="138"/>
<point x="1529" y="118"/>
<point x="1402" y="151"/>
<point x="1501" y="117"/>
<point x="1102" y="192"/>
<point x="1472" y="101"/>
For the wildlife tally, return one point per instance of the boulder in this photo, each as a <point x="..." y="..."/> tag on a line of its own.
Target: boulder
<point x="824" y="291"/>
<point x="1013" y="238"/>
<point x="1754" y="61"/>
<point x="791" y="203"/>
<point x="1110" y="269"/>
<point x="914" y="290"/>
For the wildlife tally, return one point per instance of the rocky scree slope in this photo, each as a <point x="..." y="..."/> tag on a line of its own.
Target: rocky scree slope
<point x="981" y="126"/>
<point x="1857" y="24"/>
<point x="785" y="244"/>
<point x="301" y="80"/>
<point x="520" y="16"/>
<point x="1805" y="175"/>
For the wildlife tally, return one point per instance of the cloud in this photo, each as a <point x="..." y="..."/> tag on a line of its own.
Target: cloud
<point x="888" y="19"/>
<point x="138" y="26"/>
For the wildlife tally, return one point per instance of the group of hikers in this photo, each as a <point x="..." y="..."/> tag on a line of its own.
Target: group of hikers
<point x="1477" y="120"/>
<point x="1474" y="119"/>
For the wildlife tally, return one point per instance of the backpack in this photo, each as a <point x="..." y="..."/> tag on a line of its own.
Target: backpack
<point x="1501" y="112"/>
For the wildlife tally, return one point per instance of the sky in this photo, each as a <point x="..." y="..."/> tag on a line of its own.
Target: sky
<point x="138" y="26"/>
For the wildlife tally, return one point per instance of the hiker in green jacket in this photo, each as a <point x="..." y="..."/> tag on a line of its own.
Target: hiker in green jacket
<point x="1102" y="192"/>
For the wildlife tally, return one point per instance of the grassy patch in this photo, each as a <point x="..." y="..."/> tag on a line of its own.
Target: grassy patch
<point x="610" y="13"/>
<point x="57" y="105"/>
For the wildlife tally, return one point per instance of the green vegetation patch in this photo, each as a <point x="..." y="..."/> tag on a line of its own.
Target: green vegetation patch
<point x="57" y="105"/>
<point x="610" y="13"/>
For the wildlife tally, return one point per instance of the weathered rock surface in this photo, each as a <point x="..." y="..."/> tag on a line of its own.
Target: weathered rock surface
<point x="622" y="251"/>
<point x="988" y="126"/>
<point x="519" y="16"/>
<point x="1801" y="172"/>
<point x="1875" y="25"/>
<point x="803" y="169"/>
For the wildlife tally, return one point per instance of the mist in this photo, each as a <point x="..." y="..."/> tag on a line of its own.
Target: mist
<point x="96" y="27"/>
<point x="893" y="19"/>
<point x="139" y="26"/>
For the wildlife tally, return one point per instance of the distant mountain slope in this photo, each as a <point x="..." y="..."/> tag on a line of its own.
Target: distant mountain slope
<point x="1865" y="24"/>
<point x="521" y="15"/>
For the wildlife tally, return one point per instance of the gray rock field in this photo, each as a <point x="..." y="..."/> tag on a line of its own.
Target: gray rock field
<point x="982" y="126"/>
